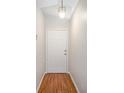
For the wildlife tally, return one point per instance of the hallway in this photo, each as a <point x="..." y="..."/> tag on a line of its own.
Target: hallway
<point x="61" y="46"/>
<point x="57" y="83"/>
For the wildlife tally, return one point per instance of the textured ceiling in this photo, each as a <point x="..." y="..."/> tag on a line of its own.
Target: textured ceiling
<point x="50" y="7"/>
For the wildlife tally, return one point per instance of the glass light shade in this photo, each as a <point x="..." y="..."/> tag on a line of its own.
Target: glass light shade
<point x="61" y="12"/>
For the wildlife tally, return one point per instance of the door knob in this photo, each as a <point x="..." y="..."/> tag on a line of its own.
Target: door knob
<point x="65" y="54"/>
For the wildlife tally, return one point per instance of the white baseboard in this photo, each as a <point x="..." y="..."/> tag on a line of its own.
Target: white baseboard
<point x="56" y="72"/>
<point x="40" y="82"/>
<point x="74" y="82"/>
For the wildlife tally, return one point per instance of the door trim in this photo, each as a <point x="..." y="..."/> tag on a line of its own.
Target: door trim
<point x="47" y="50"/>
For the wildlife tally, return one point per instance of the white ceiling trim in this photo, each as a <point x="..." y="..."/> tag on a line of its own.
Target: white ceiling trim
<point x="73" y="8"/>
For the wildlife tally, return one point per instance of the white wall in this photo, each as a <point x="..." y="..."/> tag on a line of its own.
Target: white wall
<point x="40" y="46"/>
<point x="78" y="46"/>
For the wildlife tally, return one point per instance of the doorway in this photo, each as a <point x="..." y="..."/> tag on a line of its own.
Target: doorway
<point x="56" y="56"/>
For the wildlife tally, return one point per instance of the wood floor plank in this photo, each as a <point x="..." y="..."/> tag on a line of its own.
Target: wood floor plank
<point x="57" y="83"/>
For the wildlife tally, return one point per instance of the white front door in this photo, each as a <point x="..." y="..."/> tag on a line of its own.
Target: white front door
<point x="57" y="51"/>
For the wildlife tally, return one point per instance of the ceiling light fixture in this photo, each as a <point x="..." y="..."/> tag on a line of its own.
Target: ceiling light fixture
<point x="61" y="10"/>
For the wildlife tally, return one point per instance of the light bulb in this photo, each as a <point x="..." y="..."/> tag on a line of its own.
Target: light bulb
<point x="61" y="12"/>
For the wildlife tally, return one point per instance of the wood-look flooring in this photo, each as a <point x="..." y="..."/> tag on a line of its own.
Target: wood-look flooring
<point x="57" y="83"/>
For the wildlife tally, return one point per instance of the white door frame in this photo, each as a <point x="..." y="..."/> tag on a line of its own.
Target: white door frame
<point x="47" y="49"/>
